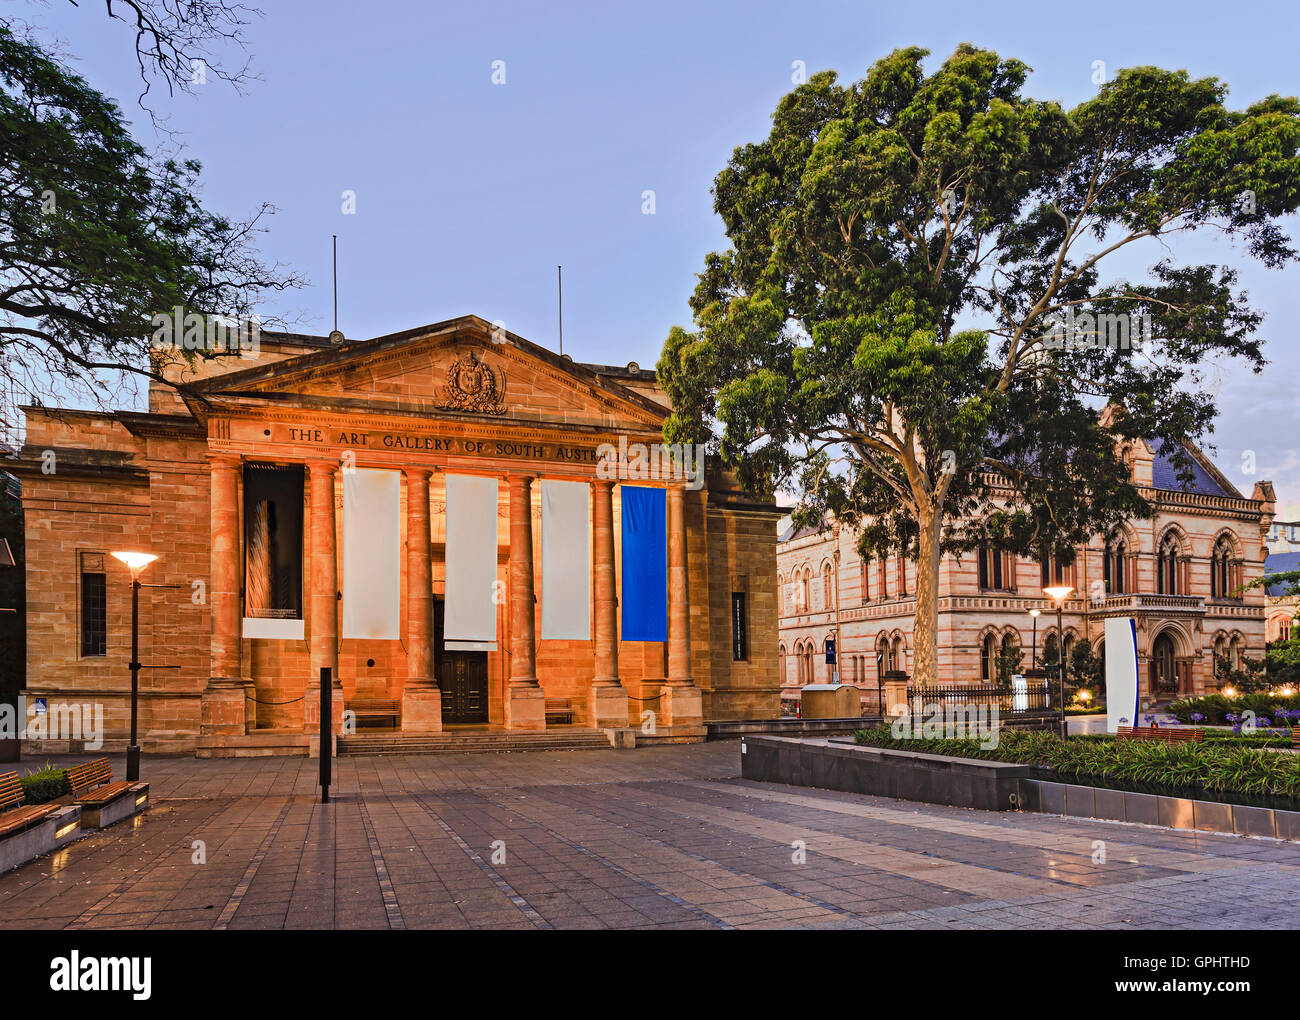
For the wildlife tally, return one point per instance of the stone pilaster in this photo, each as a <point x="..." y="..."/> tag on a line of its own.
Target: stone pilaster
<point x="606" y="698"/>
<point x="680" y="703"/>
<point x="222" y="708"/>
<point x="525" y="702"/>
<point x="421" y="698"/>
<point x="324" y="601"/>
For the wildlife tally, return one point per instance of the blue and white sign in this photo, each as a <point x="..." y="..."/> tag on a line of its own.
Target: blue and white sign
<point x="830" y="651"/>
<point x="40" y="706"/>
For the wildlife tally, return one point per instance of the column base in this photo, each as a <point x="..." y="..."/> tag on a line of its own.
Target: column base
<point x="223" y="707"/>
<point x="680" y="704"/>
<point x="525" y="705"/>
<point x="606" y="704"/>
<point x="422" y="706"/>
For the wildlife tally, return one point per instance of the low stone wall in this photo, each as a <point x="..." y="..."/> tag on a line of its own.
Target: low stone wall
<point x="839" y="764"/>
<point x="904" y="775"/>
<point x="733" y="728"/>
<point x="1152" y="809"/>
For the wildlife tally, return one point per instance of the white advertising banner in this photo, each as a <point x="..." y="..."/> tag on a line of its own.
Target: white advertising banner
<point x="566" y="561"/>
<point x="372" y="554"/>
<point x="470" y="623"/>
<point x="1121" y="673"/>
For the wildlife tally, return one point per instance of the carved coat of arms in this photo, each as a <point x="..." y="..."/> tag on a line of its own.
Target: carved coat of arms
<point x="473" y="386"/>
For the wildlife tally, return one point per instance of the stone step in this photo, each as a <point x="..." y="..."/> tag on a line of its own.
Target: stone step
<point x="454" y="743"/>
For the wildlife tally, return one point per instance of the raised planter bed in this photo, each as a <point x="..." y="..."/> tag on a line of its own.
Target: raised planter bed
<point x="839" y="764"/>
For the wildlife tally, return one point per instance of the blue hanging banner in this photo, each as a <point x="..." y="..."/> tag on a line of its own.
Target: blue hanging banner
<point x="645" y="564"/>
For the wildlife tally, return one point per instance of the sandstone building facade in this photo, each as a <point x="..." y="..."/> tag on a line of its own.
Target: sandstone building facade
<point x="235" y="479"/>
<point x="1177" y="574"/>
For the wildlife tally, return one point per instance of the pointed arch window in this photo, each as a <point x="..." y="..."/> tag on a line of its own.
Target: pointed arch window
<point x="1224" y="579"/>
<point x="989" y="659"/>
<point x="1115" y="564"/>
<point x="1167" y="565"/>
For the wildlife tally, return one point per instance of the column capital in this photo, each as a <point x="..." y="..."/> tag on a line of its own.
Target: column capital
<point x="417" y="472"/>
<point x="225" y="460"/>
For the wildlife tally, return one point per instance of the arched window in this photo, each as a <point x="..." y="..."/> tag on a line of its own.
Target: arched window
<point x="995" y="568"/>
<point x="781" y="660"/>
<point x="896" y="656"/>
<point x="828" y="587"/>
<point x="884" y="578"/>
<point x="1167" y="567"/>
<point x="866" y="579"/>
<point x="1115" y="563"/>
<point x="1223" y="569"/>
<point x="1235" y="651"/>
<point x="902" y="577"/>
<point x="805" y="590"/>
<point x="1053" y="571"/>
<point x="989" y="659"/>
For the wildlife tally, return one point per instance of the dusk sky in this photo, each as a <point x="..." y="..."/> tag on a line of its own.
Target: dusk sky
<point x="469" y="193"/>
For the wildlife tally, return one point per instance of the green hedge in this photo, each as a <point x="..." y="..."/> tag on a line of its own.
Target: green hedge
<point x="1217" y="767"/>
<point x="1215" y="707"/>
<point x="45" y="785"/>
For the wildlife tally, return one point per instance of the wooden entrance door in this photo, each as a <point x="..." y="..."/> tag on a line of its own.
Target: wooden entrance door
<point x="463" y="680"/>
<point x="462" y="677"/>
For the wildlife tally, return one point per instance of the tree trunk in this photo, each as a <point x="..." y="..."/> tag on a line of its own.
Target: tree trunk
<point x="925" y="628"/>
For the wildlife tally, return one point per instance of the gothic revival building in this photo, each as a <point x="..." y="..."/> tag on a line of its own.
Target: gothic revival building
<point x="1178" y="574"/>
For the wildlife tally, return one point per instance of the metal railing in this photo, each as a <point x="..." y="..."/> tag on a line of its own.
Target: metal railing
<point x="1034" y="696"/>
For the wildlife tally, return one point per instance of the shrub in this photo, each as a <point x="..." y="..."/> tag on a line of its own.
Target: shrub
<point x="1215" y="708"/>
<point x="1220" y="767"/>
<point x="45" y="785"/>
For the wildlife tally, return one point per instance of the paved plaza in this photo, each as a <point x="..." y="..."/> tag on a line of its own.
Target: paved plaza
<point x="661" y="837"/>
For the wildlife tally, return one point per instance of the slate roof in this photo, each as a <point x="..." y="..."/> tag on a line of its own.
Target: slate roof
<point x="1164" y="475"/>
<point x="1276" y="563"/>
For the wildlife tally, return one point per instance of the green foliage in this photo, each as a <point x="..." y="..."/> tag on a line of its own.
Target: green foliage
<point x="1214" y="708"/>
<point x="44" y="785"/>
<point x="825" y="356"/>
<point x="1217" y="767"/>
<point x="1248" y="678"/>
<point x="1008" y="664"/>
<point x="96" y="236"/>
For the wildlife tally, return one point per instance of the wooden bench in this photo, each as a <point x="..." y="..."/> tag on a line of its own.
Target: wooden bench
<point x="92" y="783"/>
<point x="559" y="710"/>
<point x="1167" y="734"/>
<point x="376" y="708"/>
<point x="14" y="817"/>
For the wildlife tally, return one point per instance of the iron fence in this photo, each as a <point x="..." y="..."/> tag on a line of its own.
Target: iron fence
<point x="1029" y="696"/>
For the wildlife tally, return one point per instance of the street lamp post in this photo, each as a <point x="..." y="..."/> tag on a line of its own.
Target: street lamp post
<point x="136" y="562"/>
<point x="1058" y="594"/>
<point x="1033" y="658"/>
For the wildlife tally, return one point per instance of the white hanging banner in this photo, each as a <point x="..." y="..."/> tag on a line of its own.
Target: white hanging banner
<point x="566" y="561"/>
<point x="1121" y="673"/>
<point x="470" y="623"/>
<point x="372" y="554"/>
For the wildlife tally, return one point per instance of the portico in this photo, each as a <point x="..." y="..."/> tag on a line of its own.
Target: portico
<point x="325" y="473"/>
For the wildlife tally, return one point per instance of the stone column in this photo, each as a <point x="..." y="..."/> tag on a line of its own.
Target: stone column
<point x="222" y="708"/>
<point x="680" y="702"/>
<point x="525" y="702"/>
<point x="606" y="699"/>
<point x="324" y="598"/>
<point x="421" y="698"/>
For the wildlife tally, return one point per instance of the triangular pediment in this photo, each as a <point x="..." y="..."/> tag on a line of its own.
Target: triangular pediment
<point x="464" y="368"/>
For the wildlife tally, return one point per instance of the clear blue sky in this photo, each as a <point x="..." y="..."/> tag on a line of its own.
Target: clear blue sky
<point x="468" y="194"/>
